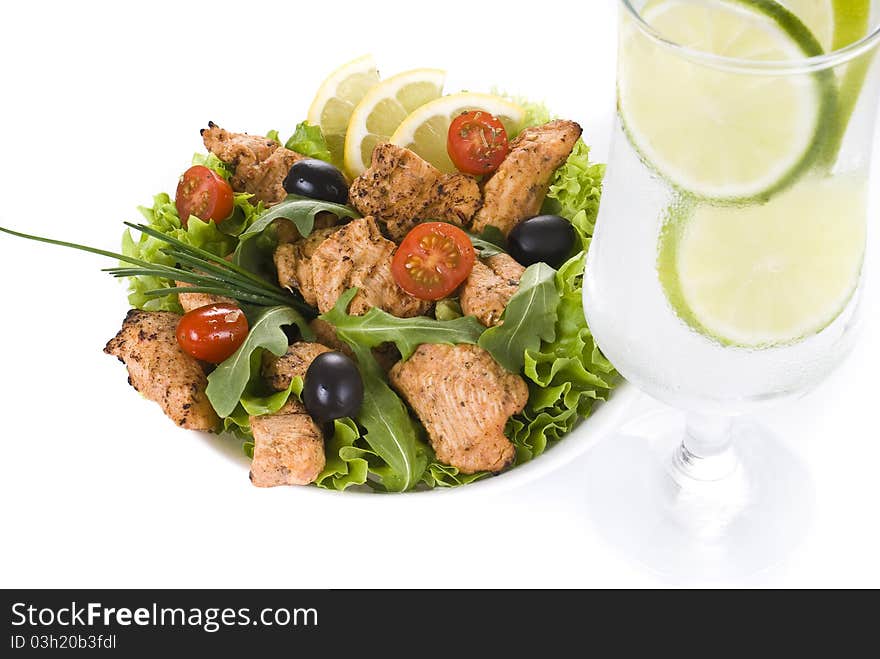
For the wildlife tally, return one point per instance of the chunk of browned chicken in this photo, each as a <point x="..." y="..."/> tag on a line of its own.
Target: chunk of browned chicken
<point x="401" y="189"/>
<point x="293" y="261"/>
<point x="464" y="399"/>
<point x="517" y="189"/>
<point x="261" y="164"/>
<point x="359" y="255"/>
<point x="161" y="371"/>
<point x="278" y="372"/>
<point x="488" y="289"/>
<point x="190" y="301"/>
<point x="288" y="445"/>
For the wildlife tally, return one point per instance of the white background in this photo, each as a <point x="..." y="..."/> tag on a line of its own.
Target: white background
<point x="100" y="108"/>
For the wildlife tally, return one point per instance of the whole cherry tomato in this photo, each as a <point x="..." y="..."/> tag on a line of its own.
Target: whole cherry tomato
<point x="212" y="333"/>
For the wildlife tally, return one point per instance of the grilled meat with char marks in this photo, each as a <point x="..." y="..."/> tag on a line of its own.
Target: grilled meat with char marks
<point x="517" y="189"/>
<point x="464" y="398"/>
<point x="261" y="164"/>
<point x="401" y="189"/>
<point x="488" y="289"/>
<point x="161" y="371"/>
<point x="288" y="445"/>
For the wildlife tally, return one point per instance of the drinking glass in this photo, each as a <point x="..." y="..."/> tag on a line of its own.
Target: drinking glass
<point x="728" y="262"/>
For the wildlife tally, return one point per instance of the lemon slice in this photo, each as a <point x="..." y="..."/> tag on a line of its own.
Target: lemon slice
<point x="425" y="130"/>
<point x="382" y="110"/>
<point x="336" y="99"/>
<point x="767" y="274"/>
<point x="721" y="134"/>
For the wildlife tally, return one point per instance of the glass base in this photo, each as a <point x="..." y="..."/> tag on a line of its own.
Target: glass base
<point x="740" y="521"/>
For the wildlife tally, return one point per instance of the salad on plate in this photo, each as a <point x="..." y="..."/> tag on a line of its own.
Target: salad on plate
<point x="389" y="298"/>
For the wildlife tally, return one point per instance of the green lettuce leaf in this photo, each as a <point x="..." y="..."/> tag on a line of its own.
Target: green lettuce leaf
<point x="566" y="375"/>
<point x="575" y="192"/>
<point x="309" y="141"/>
<point x="347" y="458"/>
<point x="377" y="327"/>
<point x="529" y="318"/>
<point x="214" y="163"/>
<point x="440" y="475"/>
<point x="232" y="379"/>
<point x="162" y="216"/>
<point x="448" y="309"/>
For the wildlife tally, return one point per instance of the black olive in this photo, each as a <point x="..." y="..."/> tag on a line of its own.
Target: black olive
<point x="317" y="179"/>
<point x="544" y="239"/>
<point x="333" y="387"/>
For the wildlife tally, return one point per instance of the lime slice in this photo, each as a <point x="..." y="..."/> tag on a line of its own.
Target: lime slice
<point x="425" y="131"/>
<point x="818" y="16"/>
<point x="383" y="109"/>
<point x="721" y="134"/>
<point x="767" y="274"/>
<point x="336" y="99"/>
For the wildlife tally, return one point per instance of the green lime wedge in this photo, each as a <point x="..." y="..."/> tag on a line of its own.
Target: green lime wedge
<point x="718" y="134"/>
<point x="766" y="274"/>
<point x="851" y="23"/>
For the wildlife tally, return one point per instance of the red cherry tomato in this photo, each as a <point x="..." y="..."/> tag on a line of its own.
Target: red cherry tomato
<point x="433" y="260"/>
<point x="477" y="143"/>
<point x="212" y="333"/>
<point x="203" y="193"/>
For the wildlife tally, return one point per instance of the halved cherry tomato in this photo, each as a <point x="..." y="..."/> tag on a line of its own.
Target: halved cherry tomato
<point x="433" y="260"/>
<point x="203" y="193"/>
<point x="212" y="333"/>
<point x="477" y="143"/>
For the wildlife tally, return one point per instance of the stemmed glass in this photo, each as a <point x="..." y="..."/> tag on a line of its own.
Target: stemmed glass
<point x="728" y="263"/>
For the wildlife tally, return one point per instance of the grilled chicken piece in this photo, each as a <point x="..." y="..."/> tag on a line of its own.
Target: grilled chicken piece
<point x="517" y="189"/>
<point x="358" y="255"/>
<point x="190" y="301"/>
<point x="401" y="189"/>
<point x="489" y="287"/>
<point x="464" y="398"/>
<point x="293" y="263"/>
<point x="288" y="447"/>
<point x="161" y="371"/>
<point x="260" y="164"/>
<point x="279" y="371"/>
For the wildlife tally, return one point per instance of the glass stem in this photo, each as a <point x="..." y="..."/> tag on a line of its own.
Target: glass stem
<point x="707" y="452"/>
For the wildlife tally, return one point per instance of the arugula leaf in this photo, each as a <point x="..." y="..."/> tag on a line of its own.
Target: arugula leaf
<point x="309" y="141"/>
<point x="228" y="383"/>
<point x="530" y="317"/>
<point x="489" y="243"/>
<point x="257" y="244"/>
<point x="377" y="327"/>
<point x="484" y="248"/>
<point x="389" y="429"/>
